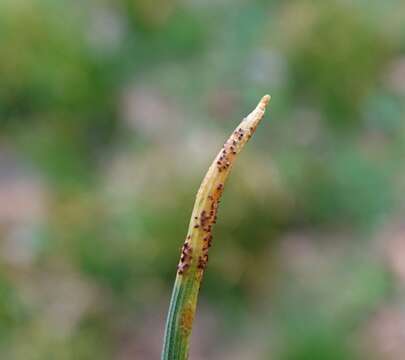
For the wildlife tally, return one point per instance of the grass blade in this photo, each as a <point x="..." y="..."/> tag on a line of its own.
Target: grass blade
<point x="194" y="253"/>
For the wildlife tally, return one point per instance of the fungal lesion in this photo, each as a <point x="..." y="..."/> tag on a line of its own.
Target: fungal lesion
<point x="230" y="150"/>
<point x="202" y="228"/>
<point x="185" y="257"/>
<point x="186" y="320"/>
<point x="205" y="210"/>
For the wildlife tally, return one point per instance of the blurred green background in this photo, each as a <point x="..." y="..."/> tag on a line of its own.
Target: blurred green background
<point x="110" y="113"/>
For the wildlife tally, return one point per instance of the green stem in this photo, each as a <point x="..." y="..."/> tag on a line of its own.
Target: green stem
<point x="194" y="254"/>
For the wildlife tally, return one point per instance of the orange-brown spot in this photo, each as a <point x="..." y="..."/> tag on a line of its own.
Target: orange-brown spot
<point x="186" y="320"/>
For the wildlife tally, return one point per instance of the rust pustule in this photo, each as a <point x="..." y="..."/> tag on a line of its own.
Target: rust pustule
<point x="186" y="320"/>
<point x="185" y="257"/>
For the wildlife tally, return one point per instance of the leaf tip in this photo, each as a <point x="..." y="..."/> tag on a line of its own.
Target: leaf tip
<point x="264" y="101"/>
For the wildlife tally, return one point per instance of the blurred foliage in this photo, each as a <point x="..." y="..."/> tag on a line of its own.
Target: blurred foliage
<point x="110" y="112"/>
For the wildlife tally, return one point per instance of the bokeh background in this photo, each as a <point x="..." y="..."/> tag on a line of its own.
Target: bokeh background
<point x="111" y="112"/>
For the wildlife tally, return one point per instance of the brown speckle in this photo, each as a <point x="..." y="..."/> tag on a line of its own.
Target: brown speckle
<point x="186" y="320"/>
